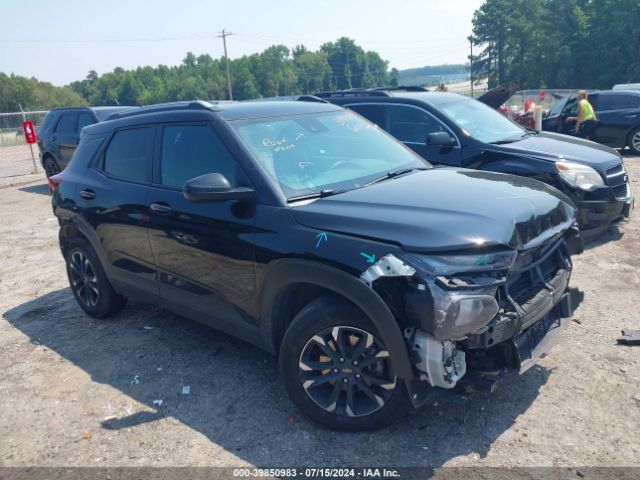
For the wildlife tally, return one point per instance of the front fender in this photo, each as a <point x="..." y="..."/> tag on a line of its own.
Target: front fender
<point x="284" y="273"/>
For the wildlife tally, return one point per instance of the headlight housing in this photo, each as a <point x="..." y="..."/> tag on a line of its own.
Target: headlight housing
<point x="451" y="264"/>
<point x="578" y="175"/>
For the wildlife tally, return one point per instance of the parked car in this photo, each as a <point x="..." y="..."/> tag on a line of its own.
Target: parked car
<point x="304" y="229"/>
<point x="627" y="86"/>
<point x="451" y="129"/>
<point x="59" y="133"/>
<point x="618" y="114"/>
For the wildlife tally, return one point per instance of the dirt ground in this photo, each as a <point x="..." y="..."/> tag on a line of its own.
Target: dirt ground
<point x="67" y="395"/>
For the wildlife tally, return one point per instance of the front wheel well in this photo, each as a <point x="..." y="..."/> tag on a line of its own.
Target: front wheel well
<point x="290" y="301"/>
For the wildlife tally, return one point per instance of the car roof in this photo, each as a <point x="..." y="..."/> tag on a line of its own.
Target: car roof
<point x="433" y="98"/>
<point x="113" y="108"/>
<point x="181" y="111"/>
<point x="257" y="109"/>
<point x="620" y="91"/>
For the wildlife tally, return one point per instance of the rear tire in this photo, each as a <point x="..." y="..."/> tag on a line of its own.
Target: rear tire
<point x="50" y="166"/>
<point x="88" y="281"/>
<point x="634" y="141"/>
<point x="337" y="370"/>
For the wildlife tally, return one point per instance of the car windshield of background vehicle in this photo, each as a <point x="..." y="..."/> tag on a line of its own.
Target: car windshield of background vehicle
<point x="336" y="151"/>
<point x="482" y="122"/>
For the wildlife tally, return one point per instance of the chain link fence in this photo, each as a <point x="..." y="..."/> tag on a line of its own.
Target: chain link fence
<point x="15" y="153"/>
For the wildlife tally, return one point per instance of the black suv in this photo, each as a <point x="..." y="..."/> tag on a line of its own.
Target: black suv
<point x="60" y="132"/>
<point x="451" y="129"/>
<point x="304" y="229"/>
<point x="618" y="117"/>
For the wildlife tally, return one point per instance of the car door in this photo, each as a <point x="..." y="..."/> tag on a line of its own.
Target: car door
<point x="203" y="251"/>
<point x="112" y="196"/>
<point x="65" y="137"/>
<point x="618" y="113"/>
<point x="570" y="110"/>
<point x="552" y="121"/>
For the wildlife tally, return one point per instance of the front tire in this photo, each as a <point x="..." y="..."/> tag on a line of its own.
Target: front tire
<point x="634" y="141"/>
<point x="88" y="281"/>
<point x="337" y="370"/>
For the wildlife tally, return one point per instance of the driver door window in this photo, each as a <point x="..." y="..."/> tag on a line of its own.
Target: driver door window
<point x="411" y="125"/>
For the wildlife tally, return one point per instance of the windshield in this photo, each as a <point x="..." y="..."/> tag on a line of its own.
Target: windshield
<point x="482" y="122"/>
<point x="334" y="151"/>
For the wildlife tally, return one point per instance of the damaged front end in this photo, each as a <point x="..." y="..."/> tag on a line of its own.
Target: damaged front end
<point x="478" y="312"/>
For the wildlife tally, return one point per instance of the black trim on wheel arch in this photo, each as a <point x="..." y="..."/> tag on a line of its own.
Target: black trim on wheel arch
<point x="284" y="273"/>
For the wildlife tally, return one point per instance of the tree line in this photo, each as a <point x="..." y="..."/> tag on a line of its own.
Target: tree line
<point x="276" y="71"/>
<point x="558" y="43"/>
<point x="32" y="94"/>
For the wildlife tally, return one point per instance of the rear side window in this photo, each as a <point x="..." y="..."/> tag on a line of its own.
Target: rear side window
<point x="67" y="124"/>
<point x="85" y="152"/>
<point x="129" y="154"/>
<point x="410" y="124"/>
<point x="47" y="122"/>
<point x="189" y="151"/>
<point x="618" y="102"/>
<point x="85" y="119"/>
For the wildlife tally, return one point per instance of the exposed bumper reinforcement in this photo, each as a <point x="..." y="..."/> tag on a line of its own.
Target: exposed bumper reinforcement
<point x="536" y="341"/>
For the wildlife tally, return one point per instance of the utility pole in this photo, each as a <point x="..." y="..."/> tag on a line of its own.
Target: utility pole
<point x="224" y="36"/>
<point x="471" y="66"/>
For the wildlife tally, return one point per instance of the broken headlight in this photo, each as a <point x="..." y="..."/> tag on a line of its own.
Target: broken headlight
<point x="451" y="264"/>
<point x="470" y="306"/>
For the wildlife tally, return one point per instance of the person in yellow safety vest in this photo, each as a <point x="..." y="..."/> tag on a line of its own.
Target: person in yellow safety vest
<point x="586" y="121"/>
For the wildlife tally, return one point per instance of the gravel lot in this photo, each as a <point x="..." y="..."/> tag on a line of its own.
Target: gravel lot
<point x="67" y="398"/>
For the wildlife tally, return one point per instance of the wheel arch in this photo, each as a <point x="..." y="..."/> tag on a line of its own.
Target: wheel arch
<point x="290" y="284"/>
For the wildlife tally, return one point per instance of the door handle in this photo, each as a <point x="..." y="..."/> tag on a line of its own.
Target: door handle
<point x="631" y="116"/>
<point x="88" y="194"/>
<point x="160" y="208"/>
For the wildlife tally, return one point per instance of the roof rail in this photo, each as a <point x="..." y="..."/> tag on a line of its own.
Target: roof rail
<point x="403" y="88"/>
<point x="165" y="107"/>
<point x="293" y="98"/>
<point x="353" y="92"/>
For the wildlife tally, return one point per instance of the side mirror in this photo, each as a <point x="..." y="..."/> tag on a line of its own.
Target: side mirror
<point x="440" y="139"/>
<point x="214" y="187"/>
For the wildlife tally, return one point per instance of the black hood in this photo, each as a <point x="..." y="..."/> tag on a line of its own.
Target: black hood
<point x="446" y="209"/>
<point x="555" y="146"/>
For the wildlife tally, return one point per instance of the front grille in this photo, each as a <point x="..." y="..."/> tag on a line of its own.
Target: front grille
<point x="529" y="275"/>
<point x="621" y="192"/>
<point x="616" y="170"/>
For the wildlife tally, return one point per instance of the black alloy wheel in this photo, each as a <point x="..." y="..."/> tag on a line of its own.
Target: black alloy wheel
<point x="84" y="280"/>
<point x="337" y="369"/>
<point x="346" y="371"/>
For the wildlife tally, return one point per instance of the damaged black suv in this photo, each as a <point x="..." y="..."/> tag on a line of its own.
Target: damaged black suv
<point x="306" y="230"/>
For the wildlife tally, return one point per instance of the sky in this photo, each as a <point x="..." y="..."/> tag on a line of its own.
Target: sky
<point x="59" y="41"/>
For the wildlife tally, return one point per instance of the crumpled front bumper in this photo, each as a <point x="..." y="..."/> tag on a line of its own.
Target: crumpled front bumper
<point x="537" y="340"/>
